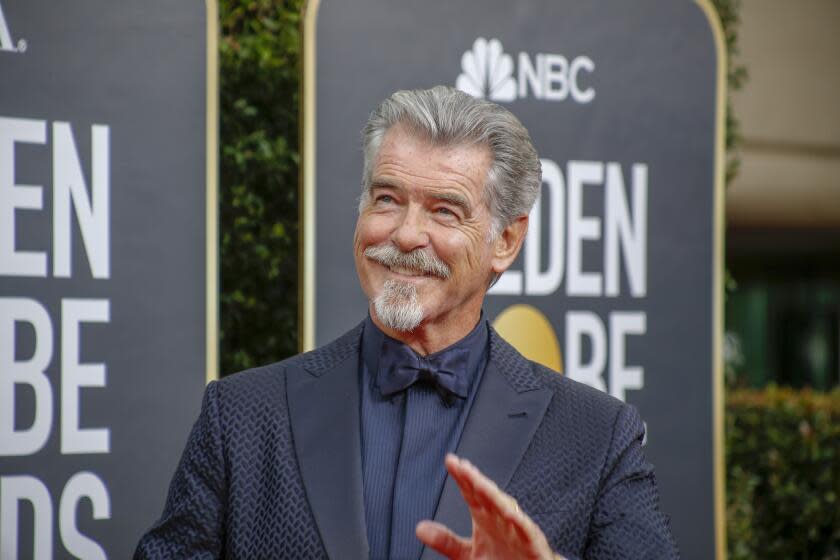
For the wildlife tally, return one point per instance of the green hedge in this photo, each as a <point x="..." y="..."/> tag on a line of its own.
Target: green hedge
<point x="259" y="53"/>
<point x="783" y="474"/>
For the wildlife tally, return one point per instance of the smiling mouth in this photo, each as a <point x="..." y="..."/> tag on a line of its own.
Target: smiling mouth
<point x="411" y="272"/>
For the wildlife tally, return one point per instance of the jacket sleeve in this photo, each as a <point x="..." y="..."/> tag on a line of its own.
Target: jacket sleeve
<point x="627" y="521"/>
<point x="192" y="522"/>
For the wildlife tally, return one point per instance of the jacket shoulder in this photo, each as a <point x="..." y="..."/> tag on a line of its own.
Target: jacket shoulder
<point x="563" y="385"/>
<point x="524" y="374"/>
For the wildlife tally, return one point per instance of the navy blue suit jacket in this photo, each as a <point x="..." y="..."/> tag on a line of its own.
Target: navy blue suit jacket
<point x="272" y="468"/>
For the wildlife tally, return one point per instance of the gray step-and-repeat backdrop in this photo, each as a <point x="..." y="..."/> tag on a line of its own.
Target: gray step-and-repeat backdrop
<point x="618" y="284"/>
<point x="107" y="281"/>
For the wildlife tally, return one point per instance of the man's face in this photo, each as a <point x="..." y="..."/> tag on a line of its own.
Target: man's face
<point x="428" y="203"/>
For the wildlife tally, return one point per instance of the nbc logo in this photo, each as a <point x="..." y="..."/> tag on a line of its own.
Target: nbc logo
<point x="487" y="71"/>
<point x="6" y="43"/>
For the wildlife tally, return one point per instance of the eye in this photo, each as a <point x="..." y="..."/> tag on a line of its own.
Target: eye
<point x="384" y="199"/>
<point x="445" y="211"/>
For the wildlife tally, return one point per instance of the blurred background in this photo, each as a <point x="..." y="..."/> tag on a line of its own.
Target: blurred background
<point x="782" y="310"/>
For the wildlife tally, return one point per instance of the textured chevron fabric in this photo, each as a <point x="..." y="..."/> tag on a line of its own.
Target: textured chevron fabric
<point x="239" y="492"/>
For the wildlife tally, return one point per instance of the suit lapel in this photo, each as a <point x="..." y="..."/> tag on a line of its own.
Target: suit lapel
<point x="324" y="413"/>
<point x="508" y="408"/>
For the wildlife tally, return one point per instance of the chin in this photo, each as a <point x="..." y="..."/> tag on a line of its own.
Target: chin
<point x="397" y="306"/>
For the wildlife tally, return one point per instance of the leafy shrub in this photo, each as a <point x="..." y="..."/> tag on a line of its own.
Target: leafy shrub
<point x="259" y="52"/>
<point x="783" y="474"/>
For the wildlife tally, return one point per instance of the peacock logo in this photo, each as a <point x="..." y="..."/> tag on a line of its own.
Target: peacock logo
<point x="487" y="72"/>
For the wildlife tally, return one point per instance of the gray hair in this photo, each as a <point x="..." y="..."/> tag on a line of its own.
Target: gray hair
<point x="447" y="116"/>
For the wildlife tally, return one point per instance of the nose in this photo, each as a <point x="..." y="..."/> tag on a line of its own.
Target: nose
<point x="411" y="231"/>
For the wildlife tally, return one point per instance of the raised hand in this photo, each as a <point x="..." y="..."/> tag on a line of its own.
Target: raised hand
<point x="500" y="529"/>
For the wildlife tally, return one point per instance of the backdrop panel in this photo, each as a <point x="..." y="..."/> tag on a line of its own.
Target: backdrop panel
<point x="618" y="282"/>
<point x="107" y="264"/>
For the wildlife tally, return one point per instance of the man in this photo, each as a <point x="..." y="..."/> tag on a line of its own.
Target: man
<point x="344" y="451"/>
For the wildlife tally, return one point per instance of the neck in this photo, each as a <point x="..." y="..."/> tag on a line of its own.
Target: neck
<point x="431" y="336"/>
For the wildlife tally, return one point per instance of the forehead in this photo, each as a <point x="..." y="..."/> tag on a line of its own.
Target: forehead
<point x="406" y="154"/>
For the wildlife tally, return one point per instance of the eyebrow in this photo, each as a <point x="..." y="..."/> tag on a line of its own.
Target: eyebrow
<point x="455" y="199"/>
<point x="452" y="198"/>
<point x="379" y="184"/>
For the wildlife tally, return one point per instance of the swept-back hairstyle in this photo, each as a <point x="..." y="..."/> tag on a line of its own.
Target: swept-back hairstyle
<point x="446" y="116"/>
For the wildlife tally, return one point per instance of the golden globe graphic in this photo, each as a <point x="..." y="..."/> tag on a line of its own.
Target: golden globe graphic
<point x="530" y="332"/>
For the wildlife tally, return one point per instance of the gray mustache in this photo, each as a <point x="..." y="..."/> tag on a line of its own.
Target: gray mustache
<point x="419" y="260"/>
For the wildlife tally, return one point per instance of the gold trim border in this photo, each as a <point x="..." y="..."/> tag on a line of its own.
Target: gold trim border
<point x="306" y="191"/>
<point x="306" y="310"/>
<point x="212" y="178"/>
<point x="717" y="278"/>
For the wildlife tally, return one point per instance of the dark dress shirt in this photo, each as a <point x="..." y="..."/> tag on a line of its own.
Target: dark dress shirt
<point x="405" y="439"/>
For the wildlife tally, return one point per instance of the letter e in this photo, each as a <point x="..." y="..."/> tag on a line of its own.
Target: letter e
<point x="75" y="375"/>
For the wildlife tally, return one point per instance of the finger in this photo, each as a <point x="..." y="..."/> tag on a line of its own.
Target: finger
<point x="499" y="507"/>
<point x="484" y="498"/>
<point x="443" y="540"/>
<point x="491" y="507"/>
<point x="487" y="493"/>
<point x="456" y="468"/>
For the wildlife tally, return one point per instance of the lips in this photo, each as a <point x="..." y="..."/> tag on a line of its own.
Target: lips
<point x="407" y="271"/>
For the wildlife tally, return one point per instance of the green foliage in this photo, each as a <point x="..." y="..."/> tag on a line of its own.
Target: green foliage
<point x="783" y="474"/>
<point x="259" y="55"/>
<point x="736" y="74"/>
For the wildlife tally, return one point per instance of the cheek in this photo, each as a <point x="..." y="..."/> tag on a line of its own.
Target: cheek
<point x="372" y="230"/>
<point x="474" y="249"/>
<point x="460" y="253"/>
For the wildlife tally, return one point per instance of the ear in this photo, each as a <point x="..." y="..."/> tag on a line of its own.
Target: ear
<point x="507" y="245"/>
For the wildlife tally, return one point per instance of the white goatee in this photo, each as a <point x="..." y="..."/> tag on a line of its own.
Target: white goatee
<point x="397" y="306"/>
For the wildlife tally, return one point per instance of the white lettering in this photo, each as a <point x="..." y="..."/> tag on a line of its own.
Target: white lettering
<point x="92" y="212"/>
<point x="12" y="196"/>
<point x="75" y="375"/>
<point x="578" y="325"/>
<point x="578" y="64"/>
<point x="30" y="372"/>
<point x="528" y="75"/>
<point x="6" y="43"/>
<point x="15" y="489"/>
<point x="555" y="77"/>
<point x="579" y="283"/>
<point x="631" y="232"/>
<point x="537" y="282"/>
<point x="623" y="377"/>
<point x="82" y="485"/>
<point x="509" y="284"/>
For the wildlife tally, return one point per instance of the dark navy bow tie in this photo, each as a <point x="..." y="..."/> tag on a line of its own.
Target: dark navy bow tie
<point x="400" y="367"/>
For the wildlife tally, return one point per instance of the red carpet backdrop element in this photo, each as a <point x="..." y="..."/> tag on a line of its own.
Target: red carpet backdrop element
<point x="618" y="282"/>
<point x="106" y="139"/>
